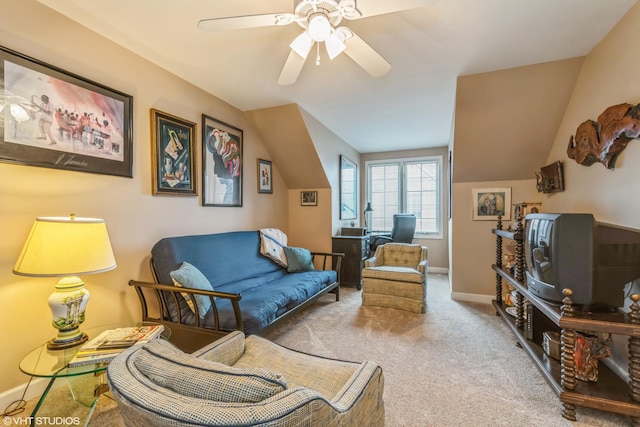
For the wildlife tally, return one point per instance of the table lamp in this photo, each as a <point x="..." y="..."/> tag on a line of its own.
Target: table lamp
<point x="367" y="212"/>
<point x="66" y="247"/>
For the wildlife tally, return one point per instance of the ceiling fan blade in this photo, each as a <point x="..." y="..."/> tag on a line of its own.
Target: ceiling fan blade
<point x="380" y="7"/>
<point x="242" y="22"/>
<point x="365" y="56"/>
<point x="292" y="68"/>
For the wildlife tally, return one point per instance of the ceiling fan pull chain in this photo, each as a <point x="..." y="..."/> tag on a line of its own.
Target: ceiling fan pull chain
<point x="318" y="54"/>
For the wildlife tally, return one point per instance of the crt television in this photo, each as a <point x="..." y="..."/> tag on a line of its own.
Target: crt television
<point x="573" y="250"/>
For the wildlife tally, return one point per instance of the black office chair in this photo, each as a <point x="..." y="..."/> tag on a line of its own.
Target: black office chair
<point x="404" y="226"/>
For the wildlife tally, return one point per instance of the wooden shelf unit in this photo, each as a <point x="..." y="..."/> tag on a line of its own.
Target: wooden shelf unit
<point x="610" y="392"/>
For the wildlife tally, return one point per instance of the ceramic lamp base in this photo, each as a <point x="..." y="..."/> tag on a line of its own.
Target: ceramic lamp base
<point x="68" y="304"/>
<point x="58" y="344"/>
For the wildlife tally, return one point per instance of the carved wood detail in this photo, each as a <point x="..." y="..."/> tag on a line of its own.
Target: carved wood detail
<point x="519" y="274"/>
<point x="568" y="345"/>
<point x="602" y="141"/>
<point x="499" y="262"/>
<point x="634" y="353"/>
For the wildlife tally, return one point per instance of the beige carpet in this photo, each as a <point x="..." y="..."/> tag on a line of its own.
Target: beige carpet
<point x="456" y="365"/>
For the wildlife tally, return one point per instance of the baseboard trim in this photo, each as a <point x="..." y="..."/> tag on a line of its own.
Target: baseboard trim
<point x="461" y="296"/>
<point x="36" y="388"/>
<point x="437" y="270"/>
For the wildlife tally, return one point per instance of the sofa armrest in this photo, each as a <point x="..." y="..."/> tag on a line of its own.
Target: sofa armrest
<point x="371" y="262"/>
<point x="377" y="258"/>
<point x="326" y="257"/>
<point x="168" y="291"/>
<point x="329" y="261"/>
<point x="367" y="380"/>
<point x="422" y="267"/>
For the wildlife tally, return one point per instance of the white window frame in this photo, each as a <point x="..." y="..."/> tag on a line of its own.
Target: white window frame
<point x="402" y="190"/>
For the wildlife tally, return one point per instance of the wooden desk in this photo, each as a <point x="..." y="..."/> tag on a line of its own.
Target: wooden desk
<point x="355" y="250"/>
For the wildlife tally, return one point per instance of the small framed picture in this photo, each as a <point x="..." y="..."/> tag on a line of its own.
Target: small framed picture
<point x="490" y="203"/>
<point x="173" y="155"/>
<point x="308" y="198"/>
<point x="265" y="184"/>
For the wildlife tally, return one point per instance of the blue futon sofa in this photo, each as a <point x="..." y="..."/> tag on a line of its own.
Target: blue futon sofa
<point x="250" y="291"/>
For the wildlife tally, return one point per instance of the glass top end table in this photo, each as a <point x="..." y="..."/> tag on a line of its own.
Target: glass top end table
<point x="86" y="382"/>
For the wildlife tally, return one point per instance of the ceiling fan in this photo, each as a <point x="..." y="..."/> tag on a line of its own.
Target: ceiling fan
<point x="319" y="20"/>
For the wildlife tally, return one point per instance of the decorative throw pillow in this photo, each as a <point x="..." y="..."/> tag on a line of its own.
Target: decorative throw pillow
<point x="298" y="259"/>
<point x="190" y="376"/>
<point x="272" y="244"/>
<point x="188" y="276"/>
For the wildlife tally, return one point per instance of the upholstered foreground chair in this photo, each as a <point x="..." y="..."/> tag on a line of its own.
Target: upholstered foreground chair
<point x="396" y="277"/>
<point x="404" y="226"/>
<point x="238" y="381"/>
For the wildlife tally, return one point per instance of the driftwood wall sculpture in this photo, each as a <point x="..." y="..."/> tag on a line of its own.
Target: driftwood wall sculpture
<point x="604" y="140"/>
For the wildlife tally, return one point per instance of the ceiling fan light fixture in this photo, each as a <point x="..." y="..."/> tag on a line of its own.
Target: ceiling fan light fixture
<point x="302" y="44"/>
<point x="319" y="27"/>
<point x="334" y="44"/>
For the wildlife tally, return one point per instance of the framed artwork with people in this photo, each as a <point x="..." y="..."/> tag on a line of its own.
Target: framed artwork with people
<point x="490" y="203"/>
<point x="308" y="198"/>
<point x="265" y="179"/>
<point x="56" y="119"/>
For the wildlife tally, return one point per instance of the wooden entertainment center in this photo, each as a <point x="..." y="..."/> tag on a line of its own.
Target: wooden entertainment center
<point x="610" y="392"/>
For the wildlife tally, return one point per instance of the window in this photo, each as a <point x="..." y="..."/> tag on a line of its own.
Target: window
<point x="406" y="186"/>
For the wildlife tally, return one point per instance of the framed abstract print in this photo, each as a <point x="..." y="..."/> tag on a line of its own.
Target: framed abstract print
<point x="222" y="164"/>
<point x="172" y="154"/>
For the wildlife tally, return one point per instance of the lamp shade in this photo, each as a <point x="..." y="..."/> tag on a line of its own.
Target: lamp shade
<point x="63" y="246"/>
<point x="368" y="208"/>
<point x="302" y="44"/>
<point x="334" y="45"/>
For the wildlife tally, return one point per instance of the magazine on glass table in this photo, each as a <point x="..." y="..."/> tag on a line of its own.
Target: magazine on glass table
<point x="108" y="344"/>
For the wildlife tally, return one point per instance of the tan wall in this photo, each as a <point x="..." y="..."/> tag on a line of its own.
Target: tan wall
<point x="474" y="246"/>
<point x="330" y="147"/>
<point x="310" y="226"/>
<point x="135" y="218"/>
<point x="608" y="76"/>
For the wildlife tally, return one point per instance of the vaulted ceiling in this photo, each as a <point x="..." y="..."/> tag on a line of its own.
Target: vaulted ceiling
<point x="429" y="46"/>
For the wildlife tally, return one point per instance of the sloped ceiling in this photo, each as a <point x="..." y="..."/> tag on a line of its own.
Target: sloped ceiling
<point x="506" y="121"/>
<point x="284" y="132"/>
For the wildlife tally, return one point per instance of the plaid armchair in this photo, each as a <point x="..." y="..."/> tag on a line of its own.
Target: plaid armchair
<point x="238" y="381"/>
<point x="396" y="277"/>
